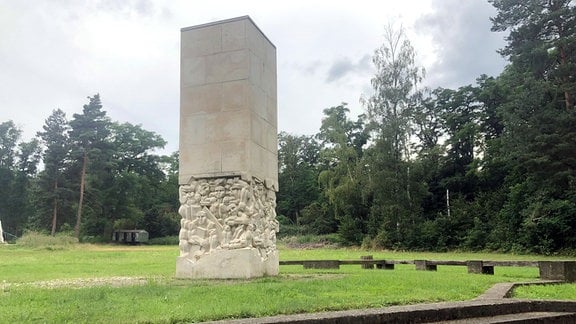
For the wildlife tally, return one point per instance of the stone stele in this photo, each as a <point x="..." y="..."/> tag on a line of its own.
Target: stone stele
<point x="1" y="233"/>
<point x="228" y="152"/>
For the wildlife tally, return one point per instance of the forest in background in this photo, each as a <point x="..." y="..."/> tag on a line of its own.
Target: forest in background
<point x="97" y="175"/>
<point x="485" y="166"/>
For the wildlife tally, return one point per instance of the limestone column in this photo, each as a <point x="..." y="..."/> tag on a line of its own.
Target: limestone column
<point x="228" y="152"/>
<point x="1" y="233"/>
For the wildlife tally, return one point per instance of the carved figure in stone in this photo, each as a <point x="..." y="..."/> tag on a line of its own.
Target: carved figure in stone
<point x="217" y="206"/>
<point x="215" y="239"/>
<point x="227" y="236"/>
<point x="235" y="191"/>
<point x="198" y="234"/>
<point x="245" y="238"/>
<point x="227" y="213"/>
<point x="186" y="194"/>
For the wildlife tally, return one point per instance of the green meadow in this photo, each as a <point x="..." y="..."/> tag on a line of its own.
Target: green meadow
<point x="87" y="284"/>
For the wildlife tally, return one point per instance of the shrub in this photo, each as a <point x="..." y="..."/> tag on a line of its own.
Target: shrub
<point x="317" y="220"/>
<point x="350" y="230"/>
<point x="367" y="243"/>
<point x="313" y="241"/>
<point x="287" y="227"/>
<point x="40" y="240"/>
<point x="165" y="240"/>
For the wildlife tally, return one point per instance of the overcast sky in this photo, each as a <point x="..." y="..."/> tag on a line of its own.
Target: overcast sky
<point x="55" y="53"/>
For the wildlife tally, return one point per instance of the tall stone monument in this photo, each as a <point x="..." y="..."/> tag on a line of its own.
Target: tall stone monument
<point x="228" y="152"/>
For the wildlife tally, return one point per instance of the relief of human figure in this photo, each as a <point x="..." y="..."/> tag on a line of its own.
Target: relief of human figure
<point x="186" y="194"/>
<point x="198" y="234"/>
<point x="273" y="223"/>
<point x="214" y="239"/>
<point x="189" y="197"/>
<point x="183" y="239"/>
<point x="245" y="238"/>
<point x="226" y="236"/>
<point x="216" y="199"/>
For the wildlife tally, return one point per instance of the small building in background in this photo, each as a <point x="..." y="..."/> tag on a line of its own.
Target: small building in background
<point x="130" y="236"/>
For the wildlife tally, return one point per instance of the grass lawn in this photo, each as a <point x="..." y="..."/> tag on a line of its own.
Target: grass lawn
<point x="550" y="292"/>
<point x="163" y="299"/>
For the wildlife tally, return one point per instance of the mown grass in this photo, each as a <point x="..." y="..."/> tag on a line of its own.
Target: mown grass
<point x="550" y="292"/>
<point x="168" y="300"/>
<point x="21" y="264"/>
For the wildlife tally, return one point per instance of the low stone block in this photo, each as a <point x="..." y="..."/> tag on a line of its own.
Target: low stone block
<point x="424" y="265"/>
<point x="558" y="270"/>
<point x="385" y="266"/>
<point x="478" y="267"/>
<point x="324" y="264"/>
<point x="367" y="265"/>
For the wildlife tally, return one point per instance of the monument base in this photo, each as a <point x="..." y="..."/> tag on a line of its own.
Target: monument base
<point x="228" y="264"/>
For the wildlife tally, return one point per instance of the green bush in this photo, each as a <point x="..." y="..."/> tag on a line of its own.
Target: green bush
<point x="124" y="224"/>
<point x="350" y="230"/>
<point x="366" y="243"/>
<point x="165" y="240"/>
<point x="332" y="240"/>
<point x="287" y="227"/>
<point x="316" y="219"/>
<point x="95" y="239"/>
<point x="40" y="240"/>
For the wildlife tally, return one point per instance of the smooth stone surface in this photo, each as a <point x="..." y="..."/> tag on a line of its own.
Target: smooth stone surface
<point x="228" y="264"/>
<point x="558" y="270"/>
<point x="228" y="102"/>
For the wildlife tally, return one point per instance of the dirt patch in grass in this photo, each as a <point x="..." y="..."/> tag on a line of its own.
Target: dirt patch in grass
<point x="311" y="245"/>
<point x="315" y="276"/>
<point x="81" y="283"/>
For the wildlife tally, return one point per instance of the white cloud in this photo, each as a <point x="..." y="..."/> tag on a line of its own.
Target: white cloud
<point x="53" y="54"/>
<point x="464" y="47"/>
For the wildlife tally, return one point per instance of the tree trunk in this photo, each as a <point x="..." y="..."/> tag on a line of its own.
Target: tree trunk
<point x="81" y="200"/>
<point x="55" y="209"/>
<point x="567" y="95"/>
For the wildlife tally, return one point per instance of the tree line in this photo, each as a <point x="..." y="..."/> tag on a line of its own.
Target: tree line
<point x="485" y="166"/>
<point x="88" y="175"/>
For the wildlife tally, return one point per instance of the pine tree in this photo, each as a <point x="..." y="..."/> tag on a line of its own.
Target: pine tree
<point x="89" y="133"/>
<point x="542" y="39"/>
<point x="56" y="157"/>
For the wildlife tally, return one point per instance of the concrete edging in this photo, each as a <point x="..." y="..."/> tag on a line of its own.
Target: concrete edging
<point x="505" y="289"/>
<point x="494" y="302"/>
